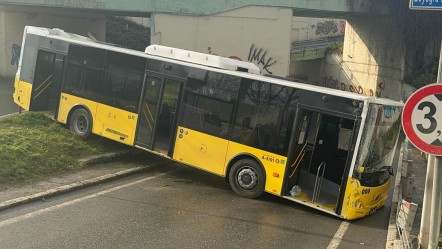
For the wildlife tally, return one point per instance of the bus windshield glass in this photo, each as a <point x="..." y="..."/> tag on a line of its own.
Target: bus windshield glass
<point x="378" y="143"/>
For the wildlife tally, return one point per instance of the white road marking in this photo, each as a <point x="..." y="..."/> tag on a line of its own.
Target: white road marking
<point x="336" y="241"/>
<point x="52" y="208"/>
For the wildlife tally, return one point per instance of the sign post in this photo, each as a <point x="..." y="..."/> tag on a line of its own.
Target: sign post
<point x="422" y="123"/>
<point x="432" y="203"/>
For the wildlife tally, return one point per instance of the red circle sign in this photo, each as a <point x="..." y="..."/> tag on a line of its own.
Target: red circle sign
<point x="422" y="119"/>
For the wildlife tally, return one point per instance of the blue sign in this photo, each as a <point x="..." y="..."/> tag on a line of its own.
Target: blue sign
<point x="426" y="4"/>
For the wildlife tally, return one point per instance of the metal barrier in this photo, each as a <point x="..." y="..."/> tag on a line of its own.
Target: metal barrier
<point x="404" y="223"/>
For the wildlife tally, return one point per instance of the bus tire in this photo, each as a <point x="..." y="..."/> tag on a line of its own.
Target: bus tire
<point x="247" y="178"/>
<point x="80" y="123"/>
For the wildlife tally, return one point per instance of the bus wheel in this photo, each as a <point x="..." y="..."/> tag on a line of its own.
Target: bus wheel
<point x="247" y="178"/>
<point x="81" y="123"/>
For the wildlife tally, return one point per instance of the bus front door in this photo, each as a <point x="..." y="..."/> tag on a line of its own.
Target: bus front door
<point x="45" y="94"/>
<point x="322" y="153"/>
<point x="157" y="117"/>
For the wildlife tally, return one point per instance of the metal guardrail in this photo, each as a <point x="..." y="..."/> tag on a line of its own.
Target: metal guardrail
<point x="406" y="210"/>
<point x="404" y="223"/>
<point x="305" y="45"/>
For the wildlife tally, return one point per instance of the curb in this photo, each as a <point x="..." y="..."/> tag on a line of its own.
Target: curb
<point x="70" y="187"/>
<point x="392" y="231"/>
<point x="104" y="158"/>
<point x="80" y="184"/>
<point x="9" y="115"/>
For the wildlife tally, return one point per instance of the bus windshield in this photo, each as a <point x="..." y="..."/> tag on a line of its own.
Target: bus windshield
<point x="378" y="143"/>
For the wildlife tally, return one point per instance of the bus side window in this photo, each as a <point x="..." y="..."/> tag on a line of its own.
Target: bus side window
<point x="121" y="87"/>
<point x="84" y="71"/>
<point x="209" y="102"/>
<point x="263" y="111"/>
<point x="248" y="136"/>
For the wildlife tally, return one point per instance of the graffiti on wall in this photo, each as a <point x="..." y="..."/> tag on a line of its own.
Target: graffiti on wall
<point x="407" y="90"/>
<point x="258" y="56"/>
<point x="325" y="28"/>
<point x="261" y="58"/>
<point x="15" y="54"/>
<point x="331" y="82"/>
<point x="404" y="96"/>
<point x="389" y="111"/>
<point x="78" y="3"/>
<point x="342" y="26"/>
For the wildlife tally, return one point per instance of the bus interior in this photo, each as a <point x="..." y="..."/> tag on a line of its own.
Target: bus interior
<point x="321" y="159"/>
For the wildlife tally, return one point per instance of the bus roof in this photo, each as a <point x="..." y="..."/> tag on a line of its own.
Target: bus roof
<point x="203" y="59"/>
<point x="218" y="64"/>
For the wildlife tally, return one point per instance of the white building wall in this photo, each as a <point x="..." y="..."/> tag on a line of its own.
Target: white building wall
<point x="3" y="56"/>
<point x="14" y="21"/>
<point x="257" y="34"/>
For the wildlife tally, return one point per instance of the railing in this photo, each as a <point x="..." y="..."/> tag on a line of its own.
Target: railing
<point x="318" y="181"/>
<point x="404" y="223"/>
<point x="402" y="211"/>
<point x="300" y="46"/>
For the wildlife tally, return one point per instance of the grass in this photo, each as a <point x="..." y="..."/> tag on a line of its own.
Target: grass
<point x="33" y="147"/>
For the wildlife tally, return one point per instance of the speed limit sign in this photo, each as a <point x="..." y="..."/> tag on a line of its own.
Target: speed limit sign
<point x="422" y="119"/>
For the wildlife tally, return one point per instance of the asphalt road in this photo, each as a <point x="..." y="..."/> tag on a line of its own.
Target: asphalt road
<point x="7" y="105"/>
<point x="175" y="206"/>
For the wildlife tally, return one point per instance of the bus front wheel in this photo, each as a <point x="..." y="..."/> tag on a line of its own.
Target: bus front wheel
<point x="81" y="123"/>
<point x="247" y="178"/>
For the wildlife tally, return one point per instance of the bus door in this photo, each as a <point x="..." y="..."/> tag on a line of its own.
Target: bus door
<point x="158" y="114"/>
<point x="322" y="156"/>
<point x="166" y="121"/>
<point x="46" y="85"/>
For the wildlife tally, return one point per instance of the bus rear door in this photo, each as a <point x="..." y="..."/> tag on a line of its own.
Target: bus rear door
<point x="45" y="93"/>
<point x="157" y="117"/>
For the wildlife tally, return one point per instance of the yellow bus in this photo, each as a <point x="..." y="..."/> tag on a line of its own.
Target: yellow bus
<point x="324" y="148"/>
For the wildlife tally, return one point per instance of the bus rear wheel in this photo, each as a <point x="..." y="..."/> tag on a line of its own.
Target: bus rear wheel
<point x="247" y="178"/>
<point x="81" y="123"/>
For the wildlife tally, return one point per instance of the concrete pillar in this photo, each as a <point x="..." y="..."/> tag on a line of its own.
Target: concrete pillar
<point x="374" y="56"/>
<point x="3" y="57"/>
<point x="14" y="19"/>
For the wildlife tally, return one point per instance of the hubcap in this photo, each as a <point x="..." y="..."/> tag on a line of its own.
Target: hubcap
<point x="80" y="124"/>
<point x="247" y="178"/>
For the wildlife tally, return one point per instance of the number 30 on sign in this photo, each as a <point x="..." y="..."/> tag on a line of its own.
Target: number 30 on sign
<point x="422" y="119"/>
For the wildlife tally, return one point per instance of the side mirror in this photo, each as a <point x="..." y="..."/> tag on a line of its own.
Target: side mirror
<point x="389" y="169"/>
